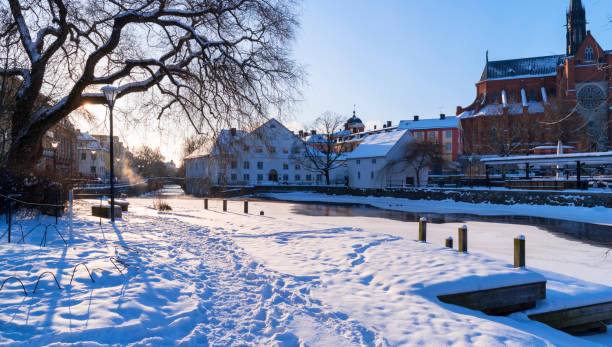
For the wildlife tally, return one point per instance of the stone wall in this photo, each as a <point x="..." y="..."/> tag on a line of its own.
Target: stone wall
<point x="504" y="197"/>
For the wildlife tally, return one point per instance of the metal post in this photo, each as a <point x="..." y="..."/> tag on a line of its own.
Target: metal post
<point x="206" y="203"/>
<point x="519" y="251"/>
<point x="463" y="242"/>
<point x="246" y="206"/>
<point x="527" y="170"/>
<point x="224" y="205"/>
<point x="487" y="173"/>
<point x="578" y="169"/>
<point x="261" y="213"/>
<point x="112" y="166"/>
<point x="70" y="197"/>
<point x="9" y="220"/>
<point x="423" y="229"/>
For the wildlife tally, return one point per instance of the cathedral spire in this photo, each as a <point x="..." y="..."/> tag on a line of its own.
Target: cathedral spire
<point x="576" y="26"/>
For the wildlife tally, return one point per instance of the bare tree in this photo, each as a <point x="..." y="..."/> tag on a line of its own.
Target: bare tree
<point x="418" y="156"/>
<point x="213" y="62"/>
<point x="323" y="152"/>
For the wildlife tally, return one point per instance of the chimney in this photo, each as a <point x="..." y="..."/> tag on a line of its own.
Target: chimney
<point x="233" y="131"/>
<point x="375" y="127"/>
<point x="313" y="132"/>
<point x="442" y="116"/>
<point x="416" y="118"/>
<point x="384" y="126"/>
<point x="389" y="124"/>
<point x="459" y="110"/>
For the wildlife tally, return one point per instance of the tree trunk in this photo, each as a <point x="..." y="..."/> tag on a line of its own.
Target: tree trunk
<point x="25" y="152"/>
<point x="327" y="177"/>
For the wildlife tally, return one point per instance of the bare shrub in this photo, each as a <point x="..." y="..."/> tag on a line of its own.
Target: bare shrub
<point x="161" y="204"/>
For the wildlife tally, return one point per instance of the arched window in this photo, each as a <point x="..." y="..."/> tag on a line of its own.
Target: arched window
<point x="589" y="54"/>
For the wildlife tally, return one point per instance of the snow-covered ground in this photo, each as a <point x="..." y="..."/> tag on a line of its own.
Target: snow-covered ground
<point x="197" y="277"/>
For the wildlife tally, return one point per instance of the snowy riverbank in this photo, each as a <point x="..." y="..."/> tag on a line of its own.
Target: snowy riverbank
<point x="198" y="277"/>
<point x="596" y="215"/>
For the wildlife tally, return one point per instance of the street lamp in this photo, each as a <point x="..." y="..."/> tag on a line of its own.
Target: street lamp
<point x="54" y="145"/>
<point x="110" y="94"/>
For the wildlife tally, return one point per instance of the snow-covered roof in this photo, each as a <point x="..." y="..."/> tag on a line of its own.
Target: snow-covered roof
<point x="224" y="140"/>
<point x="316" y="138"/>
<point x="85" y="137"/>
<point x="533" y="107"/>
<point x="377" y="145"/>
<point x="437" y="123"/>
<point x="522" y="68"/>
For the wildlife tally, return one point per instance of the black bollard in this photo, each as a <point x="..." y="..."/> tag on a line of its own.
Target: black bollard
<point x="246" y="206"/>
<point x="423" y="229"/>
<point x="206" y="203"/>
<point x="261" y="213"/>
<point x="519" y="251"/>
<point x="449" y="242"/>
<point x="224" y="205"/>
<point x="463" y="242"/>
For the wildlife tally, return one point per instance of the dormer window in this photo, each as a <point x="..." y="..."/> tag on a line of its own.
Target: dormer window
<point x="589" y="54"/>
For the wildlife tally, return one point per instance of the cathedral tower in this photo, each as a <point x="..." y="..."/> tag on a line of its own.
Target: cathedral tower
<point x="576" y="26"/>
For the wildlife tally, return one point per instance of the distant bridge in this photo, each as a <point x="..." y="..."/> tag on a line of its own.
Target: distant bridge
<point x="180" y="181"/>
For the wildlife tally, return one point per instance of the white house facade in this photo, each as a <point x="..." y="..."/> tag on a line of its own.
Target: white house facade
<point x="271" y="154"/>
<point x="91" y="156"/>
<point x="380" y="161"/>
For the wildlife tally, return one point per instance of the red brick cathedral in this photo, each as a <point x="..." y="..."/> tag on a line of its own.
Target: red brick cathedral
<point x="523" y="105"/>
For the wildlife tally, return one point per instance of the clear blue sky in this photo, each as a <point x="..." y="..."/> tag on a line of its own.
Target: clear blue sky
<point x="398" y="58"/>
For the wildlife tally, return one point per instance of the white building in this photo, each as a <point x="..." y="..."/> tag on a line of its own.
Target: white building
<point x="92" y="157"/>
<point x="270" y="154"/>
<point x="380" y="161"/>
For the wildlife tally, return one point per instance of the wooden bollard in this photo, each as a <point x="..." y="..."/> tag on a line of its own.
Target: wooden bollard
<point x="261" y="213"/>
<point x="449" y="242"/>
<point x="463" y="240"/>
<point x="246" y="206"/>
<point x="224" y="205"/>
<point x="206" y="203"/>
<point x="519" y="251"/>
<point x="423" y="229"/>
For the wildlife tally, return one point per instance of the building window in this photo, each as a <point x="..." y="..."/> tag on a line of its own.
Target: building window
<point x="297" y="166"/>
<point x="420" y="136"/>
<point x="93" y="156"/>
<point x="358" y="175"/>
<point x="319" y="177"/>
<point x="308" y="177"/>
<point x="260" y="165"/>
<point x="448" y="146"/>
<point x="272" y="149"/>
<point x="296" y="150"/>
<point x="234" y="177"/>
<point x="234" y="164"/>
<point x="358" y="161"/>
<point x="374" y="161"/>
<point x="372" y="175"/>
<point x="93" y="170"/>
<point x="285" y="166"/>
<point x="83" y="156"/>
<point x="259" y="150"/>
<point x="285" y="150"/>
<point x="245" y="148"/>
<point x="246" y="177"/>
<point x="297" y="178"/>
<point x="448" y="134"/>
<point x="532" y="95"/>
<point x="246" y="165"/>
<point x="285" y="177"/>
<point x="259" y="177"/>
<point x="589" y="54"/>
<point x="432" y="135"/>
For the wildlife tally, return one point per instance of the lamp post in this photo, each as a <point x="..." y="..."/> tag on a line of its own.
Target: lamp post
<point x="54" y="145"/>
<point x="110" y="94"/>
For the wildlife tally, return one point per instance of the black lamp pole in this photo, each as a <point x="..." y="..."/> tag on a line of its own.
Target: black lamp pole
<point x="110" y="93"/>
